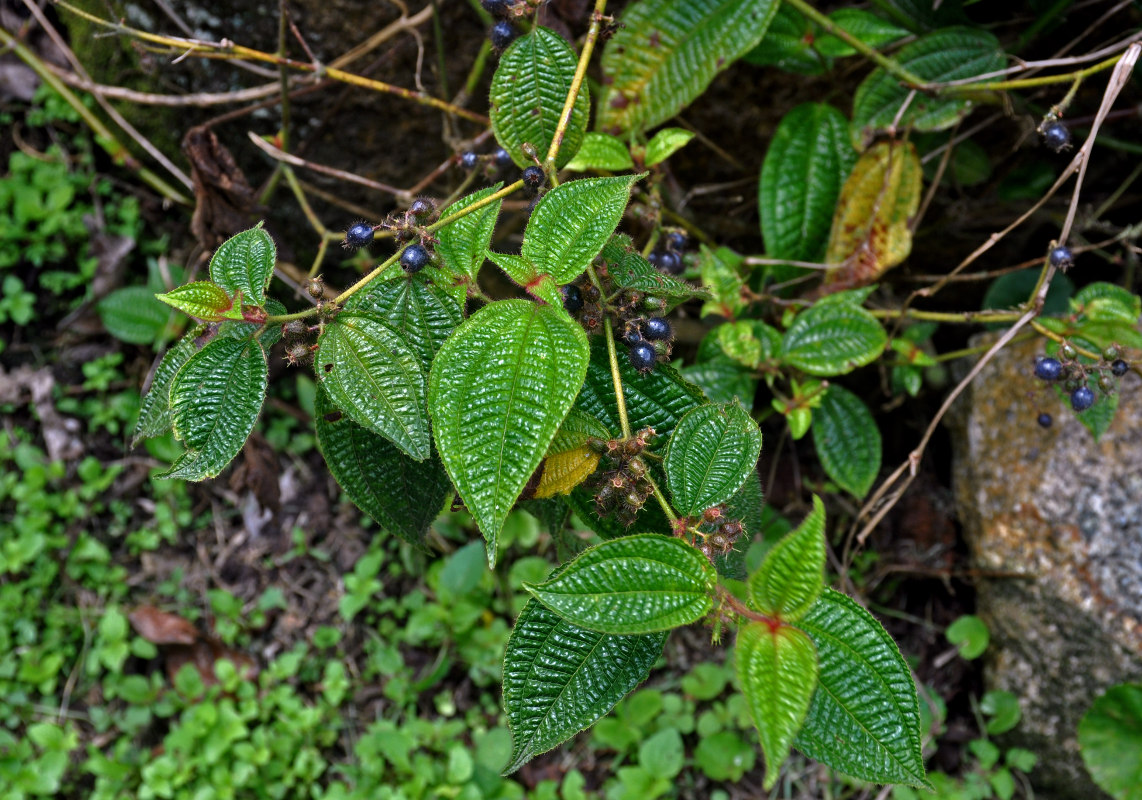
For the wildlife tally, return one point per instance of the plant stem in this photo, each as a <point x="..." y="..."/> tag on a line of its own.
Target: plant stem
<point x="1028" y="83"/>
<point x="741" y="608"/>
<point x="576" y="83"/>
<point x="616" y="377"/>
<point x="276" y="318"/>
<point x="962" y="317"/>
<point x="661" y="498"/>
<point x="504" y="192"/>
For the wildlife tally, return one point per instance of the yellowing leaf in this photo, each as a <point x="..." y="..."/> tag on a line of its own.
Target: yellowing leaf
<point x="870" y="228"/>
<point x="562" y="472"/>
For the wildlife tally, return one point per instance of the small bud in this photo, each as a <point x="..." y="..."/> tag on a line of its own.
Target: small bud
<point x="315" y="287"/>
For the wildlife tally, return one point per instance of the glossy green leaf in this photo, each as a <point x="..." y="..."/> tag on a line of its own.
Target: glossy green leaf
<point x="461" y="244"/>
<point x="792" y="575"/>
<point x="863" y="25"/>
<point x="865" y="717"/>
<point x="847" y="440"/>
<point x="154" y="412"/>
<point x="970" y="634"/>
<point x="572" y="222"/>
<point x="925" y="15"/>
<point x="809" y="157"/>
<point x="132" y="314"/>
<point x="1105" y="302"/>
<point x="373" y="375"/>
<point x="711" y="453"/>
<point x="788" y="44"/>
<point x="666" y="143"/>
<point x="777" y="670"/>
<point x="499" y="388"/>
<point x="721" y="378"/>
<point x="746" y="506"/>
<point x="421" y="313"/>
<point x="529" y="88"/>
<point x="1002" y="711"/>
<point x="944" y="55"/>
<point x="215" y="399"/>
<point x="637" y="584"/>
<point x="1110" y="739"/>
<point x="202" y="300"/>
<point x="601" y="151"/>
<point x="631" y="271"/>
<point x="402" y="495"/>
<point x="668" y="51"/>
<point x="833" y="339"/>
<point x="559" y="678"/>
<point x="722" y="275"/>
<point x="245" y="263"/>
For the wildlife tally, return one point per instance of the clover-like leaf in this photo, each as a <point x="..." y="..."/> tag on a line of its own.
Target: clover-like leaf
<point x="864" y="719"/>
<point x="777" y="670"/>
<point x="499" y="389"/>
<point x="792" y="575"/>
<point x="833" y="339"/>
<point x="155" y="412"/>
<point x="373" y="375"/>
<point x="847" y="440"/>
<point x="712" y="451"/>
<point x="245" y="263"/>
<point x="529" y="88"/>
<point x="560" y="678"/>
<point x="637" y="584"/>
<point x="215" y="399"/>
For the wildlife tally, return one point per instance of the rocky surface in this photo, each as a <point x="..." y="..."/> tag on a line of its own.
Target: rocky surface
<point x="1054" y="522"/>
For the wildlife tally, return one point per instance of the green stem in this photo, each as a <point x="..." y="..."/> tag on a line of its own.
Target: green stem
<point x="962" y="317"/>
<point x="279" y="318"/>
<point x="1025" y="83"/>
<point x="616" y="378"/>
<point x="661" y="498"/>
<point x="504" y="192"/>
<point x="576" y="83"/>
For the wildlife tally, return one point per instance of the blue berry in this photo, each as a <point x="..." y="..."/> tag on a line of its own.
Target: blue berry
<point x="1118" y="368"/>
<point x="359" y="234"/>
<point x="643" y="356"/>
<point x="1057" y="136"/>
<point x="414" y="258"/>
<point x="1048" y="369"/>
<point x="1061" y="257"/>
<point x="502" y="157"/>
<point x="656" y="329"/>
<point x="632" y="337"/>
<point x="469" y="160"/>
<point x="572" y="298"/>
<point x="670" y="263"/>
<point x="421" y="208"/>
<point x="502" y="34"/>
<point x="1082" y="398"/>
<point x="533" y="178"/>
<point x="675" y="240"/>
<point x="497" y="8"/>
<point x="1045" y="420"/>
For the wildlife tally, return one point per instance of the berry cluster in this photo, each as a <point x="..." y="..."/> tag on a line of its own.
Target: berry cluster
<point x="711" y="532"/>
<point x="668" y="258"/>
<point x="498" y="159"/>
<point x="298" y="349"/>
<point x="622" y="487"/>
<point x="1074" y="374"/>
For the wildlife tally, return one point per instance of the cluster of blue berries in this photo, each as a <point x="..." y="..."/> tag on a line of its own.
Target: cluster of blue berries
<point x="1073" y="375"/>
<point x="668" y="258"/>
<point x="503" y="31"/>
<point x="406" y="226"/>
<point x="499" y="159"/>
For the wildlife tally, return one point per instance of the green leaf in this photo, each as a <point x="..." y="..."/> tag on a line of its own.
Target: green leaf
<point x="1002" y="710"/>
<point x="570" y="459"/>
<point x="865" y="717"/>
<point x="833" y="339"/>
<point x="560" y="679"/>
<point x="787" y="45"/>
<point x="668" y="51"/>
<point x="133" y="315"/>
<point x="662" y="754"/>
<point x="1110" y="739"/>
<point x="1105" y="302"/>
<point x="202" y="300"/>
<point x="528" y="91"/>
<point x="666" y="143"/>
<point x="970" y="634"/>
<point x="924" y="15"/>
<point x="374" y="376"/>
<point x="215" y="399"/>
<point x="792" y="576"/>
<point x="712" y="451"/>
<point x="847" y="440"/>
<point x="403" y="496"/>
<point x="499" y="388"/>
<point x="245" y="263"/>
<point x="777" y="670"/>
<point x="572" y="222"/>
<point x="631" y="271"/>
<point x="808" y="160"/>
<point x="601" y="151"/>
<point x="638" y="584"/>
<point x="422" y="314"/>
<point x="1098" y="417"/>
<point x="722" y="277"/>
<point x="863" y="25"/>
<point x="944" y="55"/>
<point x="155" y="413"/>
<point x="461" y="244"/>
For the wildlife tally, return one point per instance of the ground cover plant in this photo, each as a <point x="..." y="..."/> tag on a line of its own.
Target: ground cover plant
<point x="549" y="345"/>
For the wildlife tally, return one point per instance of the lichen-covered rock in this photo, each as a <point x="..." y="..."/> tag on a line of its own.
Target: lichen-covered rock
<point x="1054" y="523"/>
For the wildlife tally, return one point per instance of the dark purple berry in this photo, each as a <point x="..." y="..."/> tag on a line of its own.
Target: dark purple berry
<point x="675" y="240"/>
<point x="469" y="160"/>
<point x="502" y="157"/>
<point x="1048" y="369"/>
<point x="671" y="263"/>
<point x="643" y="356"/>
<point x="632" y="337"/>
<point x="502" y="34"/>
<point x="421" y="208"/>
<point x="1057" y="136"/>
<point x="1045" y="420"/>
<point x="360" y="234"/>
<point x="533" y="178"/>
<point x="572" y="298"/>
<point x="497" y="8"/>
<point x="414" y="258"/>
<point x="1118" y="368"/>
<point x="1061" y="257"/>
<point x="1082" y="398"/>
<point x="656" y="329"/>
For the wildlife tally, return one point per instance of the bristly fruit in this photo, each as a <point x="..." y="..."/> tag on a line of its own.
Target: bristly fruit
<point x="502" y="35"/>
<point x="360" y="234"/>
<point x="497" y="8"/>
<point x="643" y="356"/>
<point x="421" y="207"/>
<point x="1048" y="369"/>
<point x="572" y="298"/>
<point x="414" y="258"/>
<point x="1045" y="420"/>
<point x="656" y="329"/>
<point x="671" y="263"/>
<point x="675" y="240"/>
<point x="1118" y="368"/>
<point x="533" y="178"/>
<point x="1057" y="136"/>
<point x="1061" y="257"/>
<point x="1082" y="398"/>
